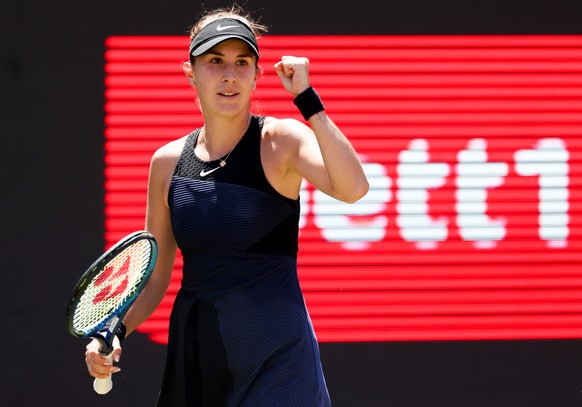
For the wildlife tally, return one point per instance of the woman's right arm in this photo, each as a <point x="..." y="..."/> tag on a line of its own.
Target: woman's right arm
<point x="157" y="223"/>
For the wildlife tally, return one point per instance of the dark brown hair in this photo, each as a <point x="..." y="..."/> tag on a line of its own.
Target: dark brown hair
<point x="232" y="12"/>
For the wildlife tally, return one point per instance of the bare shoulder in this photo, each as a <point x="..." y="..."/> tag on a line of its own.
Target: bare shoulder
<point x="162" y="167"/>
<point x="285" y="128"/>
<point x="167" y="156"/>
<point x="282" y="141"/>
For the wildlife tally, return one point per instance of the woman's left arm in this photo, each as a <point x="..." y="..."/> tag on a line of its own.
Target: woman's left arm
<point x="323" y="156"/>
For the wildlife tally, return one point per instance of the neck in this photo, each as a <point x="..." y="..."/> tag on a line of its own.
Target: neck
<point x="220" y="137"/>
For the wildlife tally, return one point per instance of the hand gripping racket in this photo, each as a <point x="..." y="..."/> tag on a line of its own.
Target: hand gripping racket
<point x="106" y="291"/>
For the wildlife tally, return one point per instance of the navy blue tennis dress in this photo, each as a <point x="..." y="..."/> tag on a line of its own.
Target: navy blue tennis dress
<point x="240" y="334"/>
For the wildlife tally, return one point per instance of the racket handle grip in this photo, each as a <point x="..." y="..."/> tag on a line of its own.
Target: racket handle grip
<point x="103" y="386"/>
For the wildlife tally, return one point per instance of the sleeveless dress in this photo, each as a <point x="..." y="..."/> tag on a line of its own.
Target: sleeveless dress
<point x="240" y="334"/>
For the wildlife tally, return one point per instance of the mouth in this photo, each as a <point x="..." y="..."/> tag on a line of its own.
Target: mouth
<point x="228" y="94"/>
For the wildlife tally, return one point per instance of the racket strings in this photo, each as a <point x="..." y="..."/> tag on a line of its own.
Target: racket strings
<point x="112" y="287"/>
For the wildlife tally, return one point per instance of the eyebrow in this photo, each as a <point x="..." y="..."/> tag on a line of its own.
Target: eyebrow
<point x="220" y="54"/>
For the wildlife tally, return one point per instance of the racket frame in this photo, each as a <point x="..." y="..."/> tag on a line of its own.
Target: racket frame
<point x="105" y="338"/>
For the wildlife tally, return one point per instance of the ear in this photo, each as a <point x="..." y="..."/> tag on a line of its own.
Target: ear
<point x="257" y="73"/>
<point x="187" y="68"/>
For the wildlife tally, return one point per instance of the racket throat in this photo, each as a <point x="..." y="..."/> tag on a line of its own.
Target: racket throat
<point x="106" y="335"/>
<point x="105" y="348"/>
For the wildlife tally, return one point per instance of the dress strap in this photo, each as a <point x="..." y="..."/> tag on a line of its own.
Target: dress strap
<point x="187" y="153"/>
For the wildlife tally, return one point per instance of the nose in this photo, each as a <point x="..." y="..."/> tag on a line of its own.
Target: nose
<point x="228" y="74"/>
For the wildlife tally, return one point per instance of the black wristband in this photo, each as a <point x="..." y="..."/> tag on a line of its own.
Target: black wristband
<point x="309" y="103"/>
<point x="121" y="332"/>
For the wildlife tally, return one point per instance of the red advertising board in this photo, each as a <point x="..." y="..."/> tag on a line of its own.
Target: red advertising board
<point x="473" y="148"/>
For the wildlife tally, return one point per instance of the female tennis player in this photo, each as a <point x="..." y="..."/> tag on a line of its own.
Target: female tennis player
<point x="227" y="195"/>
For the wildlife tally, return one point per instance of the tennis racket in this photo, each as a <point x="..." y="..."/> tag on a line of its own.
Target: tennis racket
<point x="107" y="289"/>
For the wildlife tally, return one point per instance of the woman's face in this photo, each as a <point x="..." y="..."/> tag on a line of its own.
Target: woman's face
<point x="225" y="77"/>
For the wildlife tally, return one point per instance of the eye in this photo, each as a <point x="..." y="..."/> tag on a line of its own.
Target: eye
<point x="242" y="62"/>
<point x="215" y="60"/>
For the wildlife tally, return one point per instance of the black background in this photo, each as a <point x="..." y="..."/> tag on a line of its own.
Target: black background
<point x="51" y="206"/>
